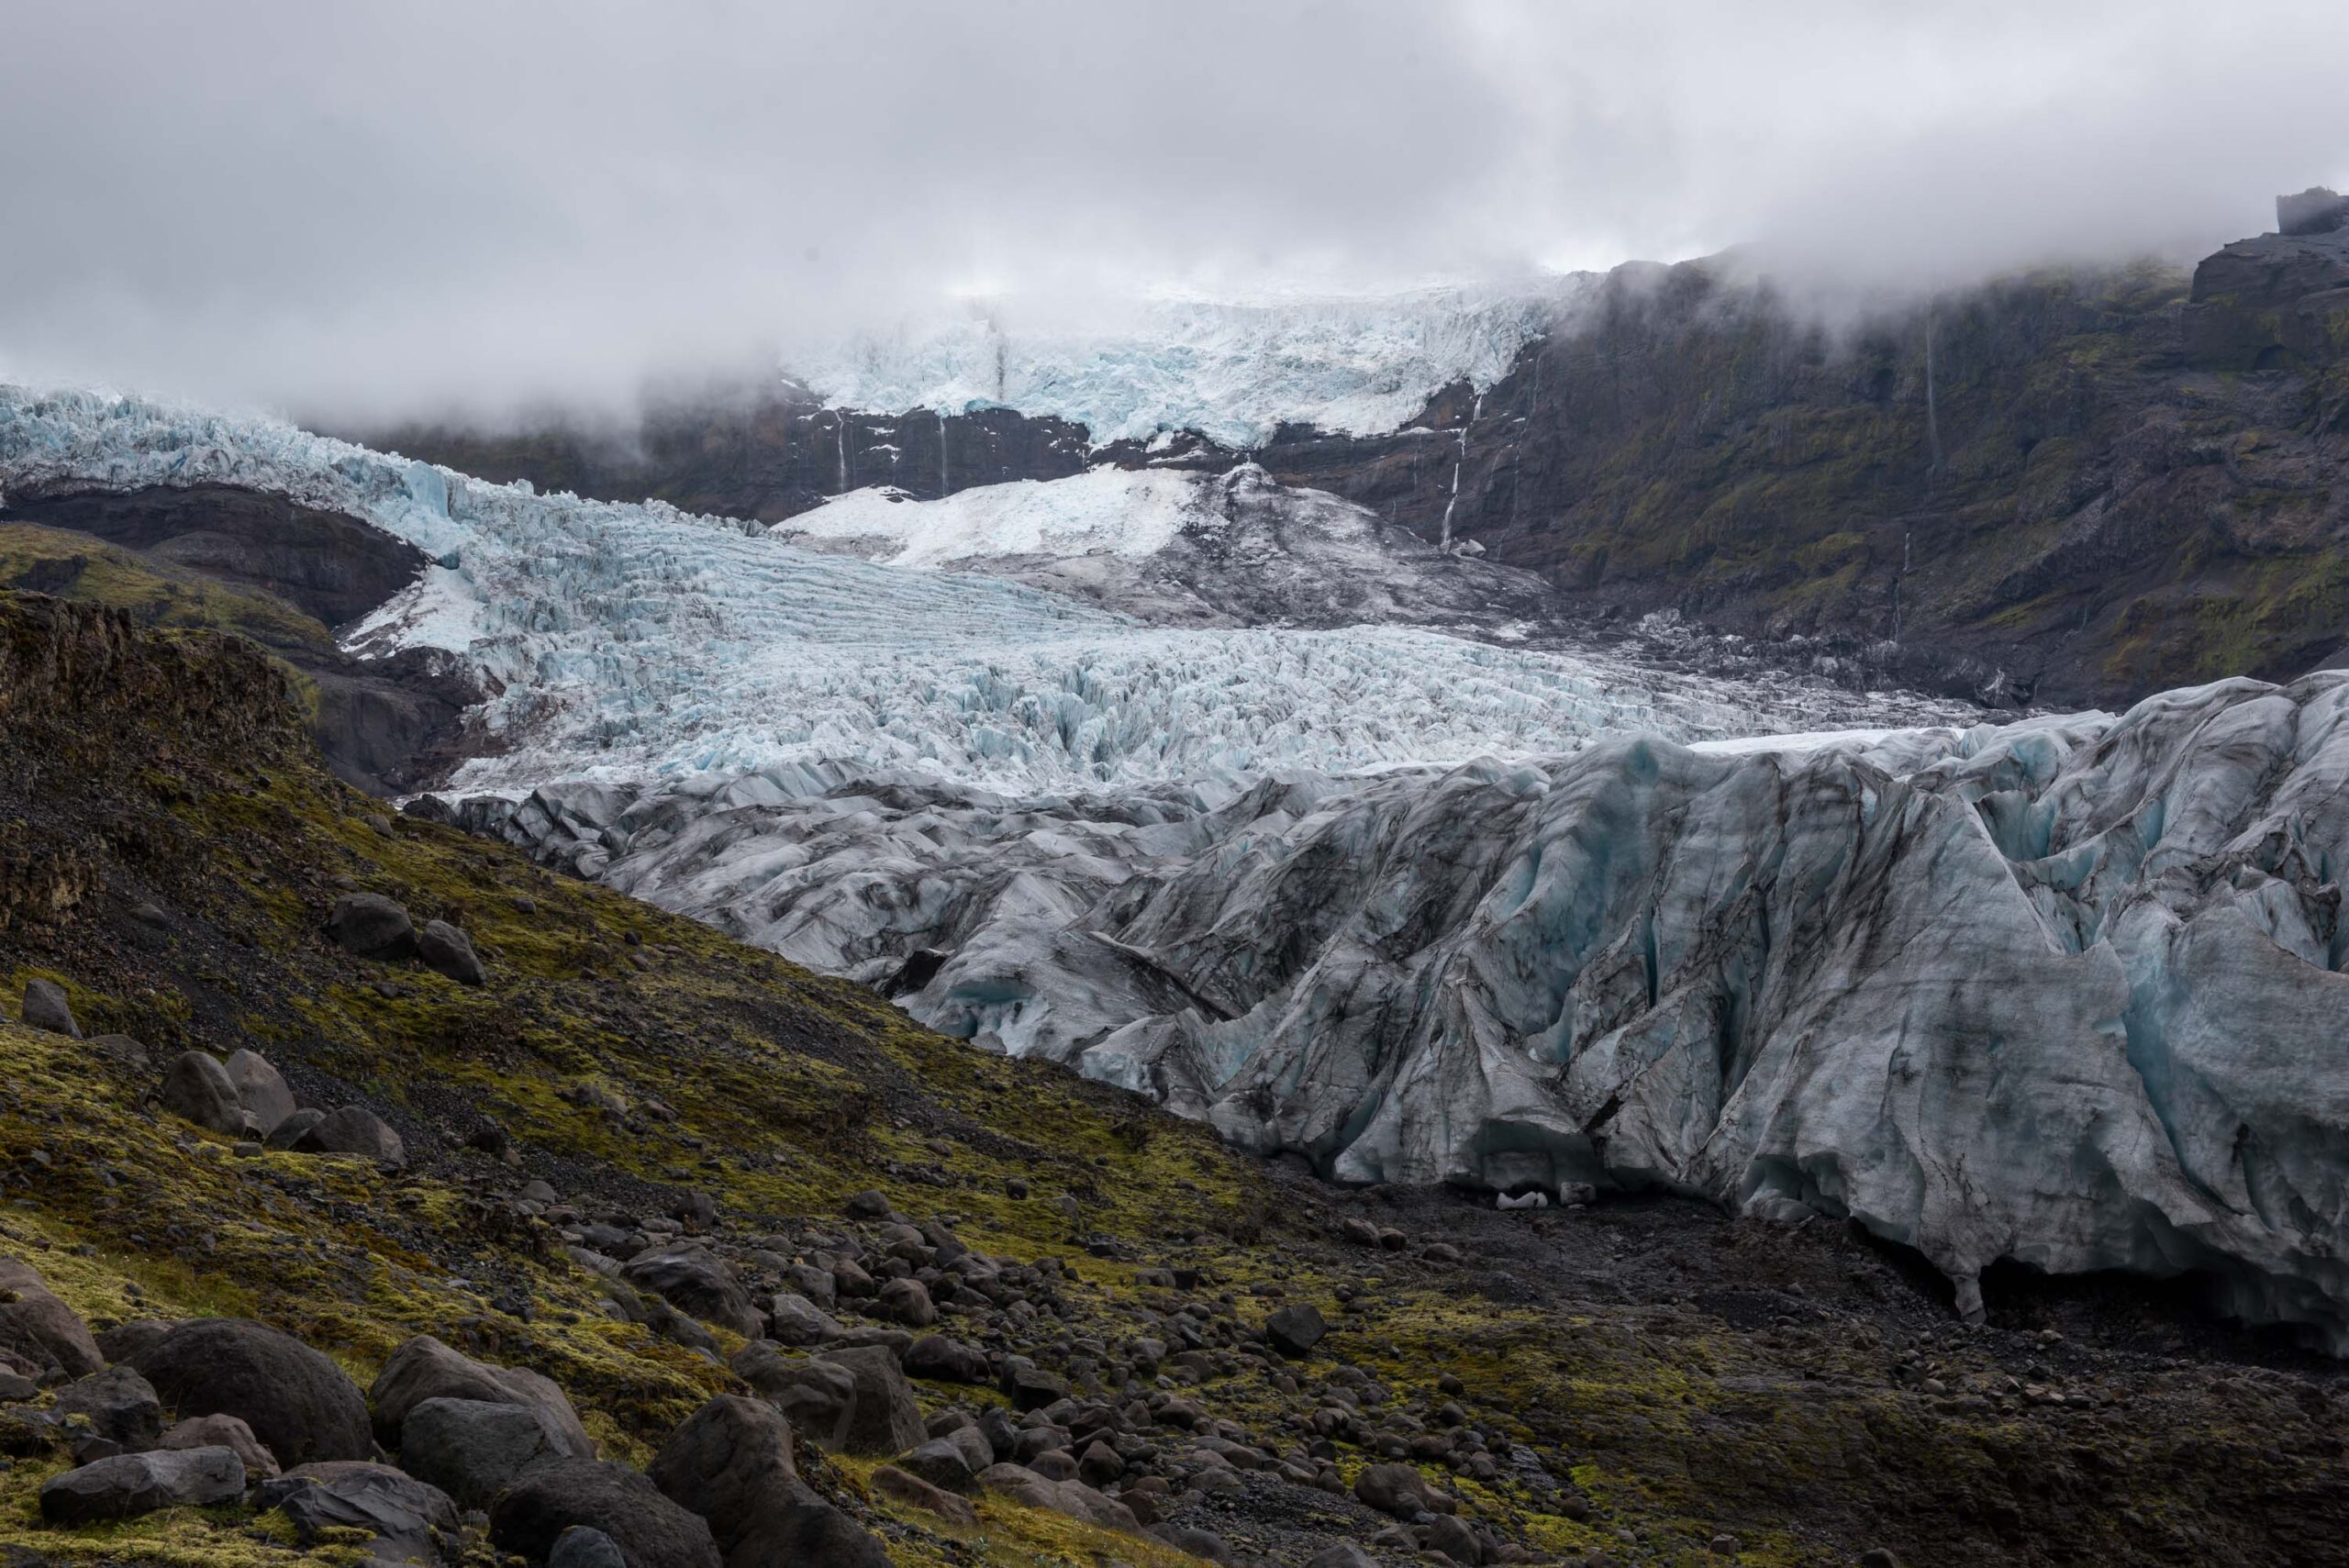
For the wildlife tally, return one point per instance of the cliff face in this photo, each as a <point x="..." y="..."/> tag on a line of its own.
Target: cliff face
<point x="216" y="557"/>
<point x="2046" y="491"/>
<point x="2060" y="489"/>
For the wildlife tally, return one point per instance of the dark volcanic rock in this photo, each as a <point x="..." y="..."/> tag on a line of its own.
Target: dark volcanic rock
<point x="444" y="948"/>
<point x="35" y="1324"/>
<point x="47" y="1008"/>
<point x="650" y="1530"/>
<point x="197" y="1088"/>
<point x="423" y="1368"/>
<point x="295" y="1400"/>
<point x="369" y="925"/>
<point x="129" y="1484"/>
<point x="471" y="1448"/>
<point x="407" y="1518"/>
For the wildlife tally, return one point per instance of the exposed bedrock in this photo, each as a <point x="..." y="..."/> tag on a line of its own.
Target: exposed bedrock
<point x="291" y="574"/>
<point x="2068" y="993"/>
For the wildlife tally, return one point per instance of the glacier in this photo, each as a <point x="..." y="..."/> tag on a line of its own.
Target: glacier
<point x="1232" y="370"/>
<point x="1142" y="792"/>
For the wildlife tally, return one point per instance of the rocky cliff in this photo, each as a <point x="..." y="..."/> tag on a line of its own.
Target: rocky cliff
<point x="2056" y="489"/>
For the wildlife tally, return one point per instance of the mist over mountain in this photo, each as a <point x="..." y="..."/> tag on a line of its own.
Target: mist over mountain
<point x="377" y="212"/>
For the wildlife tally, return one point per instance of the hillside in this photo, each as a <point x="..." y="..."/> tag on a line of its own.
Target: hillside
<point x="1626" y="1382"/>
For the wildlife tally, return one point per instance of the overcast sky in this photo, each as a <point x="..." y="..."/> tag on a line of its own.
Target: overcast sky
<point x="364" y="209"/>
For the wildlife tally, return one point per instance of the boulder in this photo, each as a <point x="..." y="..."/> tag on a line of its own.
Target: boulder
<point x="650" y="1530"/>
<point x="354" y="1131"/>
<point x="908" y="1301"/>
<point x="196" y="1088"/>
<point x="289" y="1133"/>
<point x="946" y="1360"/>
<point x="368" y="925"/>
<point x="116" y="1404"/>
<point x="882" y="1418"/>
<point x="583" y="1546"/>
<point x="444" y="948"/>
<point x="1073" y="1498"/>
<point x="1399" y="1490"/>
<point x="125" y="1340"/>
<point x="692" y="1278"/>
<point x="899" y="1486"/>
<point x="299" y="1404"/>
<point x="471" y="1449"/>
<point x="47" y="1009"/>
<point x="941" y="1462"/>
<point x="222" y="1432"/>
<point x="407" y="1518"/>
<point x="793" y="1319"/>
<point x="1295" y="1330"/>
<point x="423" y="1368"/>
<point x="129" y="1484"/>
<point x="869" y="1204"/>
<point x="36" y="1325"/>
<point x="260" y="1089"/>
<point x="1030" y="1387"/>
<point x="816" y="1396"/>
<point x="730" y="1462"/>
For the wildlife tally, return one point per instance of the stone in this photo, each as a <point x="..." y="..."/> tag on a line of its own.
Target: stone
<point x="408" y="1519"/>
<point x="945" y="1360"/>
<point x="38" y="1326"/>
<point x="584" y="1546"/>
<point x="260" y="1089"/>
<point x="125" y="1340"/>
<point x="223" y="1432"/>
<point x="793" y="1319"/>
<point x="353" y="1130"/>
<point x="1399" y="1490"/>
<point x="368" y="925"/>
<point x="941" y="1462"/>
<point x="908" y="1301"/>
<point x="899" y="1486"/>
<point x="729" y="1462"/>
<point x="449" y="951"/>
<point x="424" y="1368"/>
<point x="1448" y="1535"/>
<point x="1295" y="1330"/>
<point x="196" y="1088"/>
<point x="129" y="1484"/>
<point x="881" y="1416"/>
<point x="289" y="1133"/>
<point x="299" y="1404"/>
<point x="48" y="1009"/>
<point x="692" y="1278"/>
<point x="814" y="1396"/>
<point x="116" y="1404"/>
<point x="1073" y="1498"/>
<point x="650" y="1530"/>
<point x="471" y="1448"/>
<point x="1031" y="1388"/>
<point x="869" y="1204"/>
<point x="1099" y="1464"/>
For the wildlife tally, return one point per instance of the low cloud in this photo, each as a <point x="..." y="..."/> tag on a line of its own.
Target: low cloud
<point x="363" y="211"/>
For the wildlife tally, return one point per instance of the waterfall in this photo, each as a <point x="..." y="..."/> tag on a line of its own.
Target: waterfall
<point x="1459" y="458"/>
<point x="843" y="418"/>
<point x="943" y="488"/>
